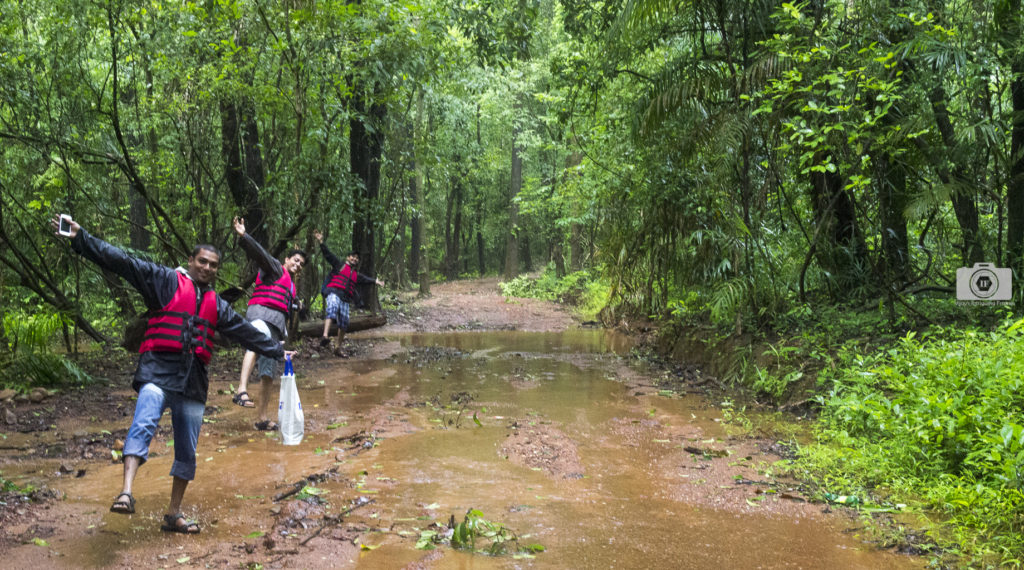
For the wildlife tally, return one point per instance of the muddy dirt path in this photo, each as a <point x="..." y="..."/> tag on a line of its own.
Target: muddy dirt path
<point x="369" y="419"/>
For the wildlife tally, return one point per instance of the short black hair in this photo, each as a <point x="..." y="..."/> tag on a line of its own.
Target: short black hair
<point x="353" y="252"/>
<point x="207" y="247"/>
<point x="298" y="251"/>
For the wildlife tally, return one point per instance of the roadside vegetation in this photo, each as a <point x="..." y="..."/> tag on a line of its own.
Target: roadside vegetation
<point x="931" y="421"/>
<point x="581" y="290"/>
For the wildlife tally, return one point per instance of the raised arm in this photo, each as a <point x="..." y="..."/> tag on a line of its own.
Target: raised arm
<point x="330" y="257"/>
<point x="155" y="282"/>
<point x="271" y="267"/>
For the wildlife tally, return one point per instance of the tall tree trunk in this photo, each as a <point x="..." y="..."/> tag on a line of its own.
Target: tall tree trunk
<point x="478" y="214"/>
<point x="138" y="235"/>
<point x="398" y="267"/>
<point x="892" y="200"/>
<point x="527" y="256"/>
<point x="559" y="258"/>
<point x="449" y="211"/>
<point x="515" y="184"/>
<point x="415" y="222"/>
<point x="244" y="164"/>
<point x="453" y="228"/>
<point x="575" y="246"/>
<point x="479" y="223"/>
<point x="961" y="196"/>
<point x="1015" y="184"/>
<point x="366" y="146"/>
<point x="419" y="223"/>
<point x="575" y="229"/>
<point x="834" y="211"/>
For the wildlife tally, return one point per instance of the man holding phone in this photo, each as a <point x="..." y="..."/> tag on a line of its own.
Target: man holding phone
<point x="175" y="352"/>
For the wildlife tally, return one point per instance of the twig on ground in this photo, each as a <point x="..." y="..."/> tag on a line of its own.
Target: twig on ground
<point x="301" y="484"/>
<point x="336" y="519"/>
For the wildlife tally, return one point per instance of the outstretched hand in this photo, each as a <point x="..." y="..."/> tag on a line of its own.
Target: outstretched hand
<point x="239" y="225"/>
<point x="55" y="224"/>
<point x="319" y="236"/>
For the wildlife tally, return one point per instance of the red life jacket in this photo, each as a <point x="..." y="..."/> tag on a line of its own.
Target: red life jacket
<point x="185" y="324"/>
<point x="344" y="280"/>
<point x="277" y="295"/>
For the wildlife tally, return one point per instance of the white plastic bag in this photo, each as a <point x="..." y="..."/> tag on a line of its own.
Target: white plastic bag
<point x="289" y="408"/>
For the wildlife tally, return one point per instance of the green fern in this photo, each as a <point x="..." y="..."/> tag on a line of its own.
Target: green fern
<point x="29" y="359"/>
<point x="727" y="299"/>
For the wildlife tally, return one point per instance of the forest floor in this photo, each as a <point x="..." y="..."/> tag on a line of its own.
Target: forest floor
<point x="70" y="435"/>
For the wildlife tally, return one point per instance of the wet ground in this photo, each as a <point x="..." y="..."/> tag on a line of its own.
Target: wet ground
<point x="554" y="436"/>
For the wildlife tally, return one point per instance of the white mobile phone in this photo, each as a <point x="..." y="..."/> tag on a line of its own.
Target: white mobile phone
<point x="64" y="228"/>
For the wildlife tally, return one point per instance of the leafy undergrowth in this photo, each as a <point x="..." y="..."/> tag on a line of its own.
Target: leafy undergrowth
<point x="581" y="290"/>
<point x="933" y="422"/>
<point x="918" y="418"/>
<point x="28" y="360"/>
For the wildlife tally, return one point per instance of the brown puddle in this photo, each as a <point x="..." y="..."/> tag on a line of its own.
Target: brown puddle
<point x="566" y="454"/>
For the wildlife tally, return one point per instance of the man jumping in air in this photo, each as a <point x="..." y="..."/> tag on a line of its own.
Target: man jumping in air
<point x="341" y="292"/>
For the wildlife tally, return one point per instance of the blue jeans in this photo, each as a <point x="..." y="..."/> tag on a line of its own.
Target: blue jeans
<point x="186" y="419"/>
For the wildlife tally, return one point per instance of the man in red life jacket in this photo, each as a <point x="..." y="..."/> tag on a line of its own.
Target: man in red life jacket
<point x="175" y="351"/>
<point x="341" y="292"/>
<point x="268" y="311"/>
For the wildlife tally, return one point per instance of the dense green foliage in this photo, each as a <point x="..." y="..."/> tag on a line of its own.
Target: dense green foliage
<point x="813" y="172"/>
<point x="579" y="290"/>
<point x="933" y="421"/>
<point x="29" y="359"/>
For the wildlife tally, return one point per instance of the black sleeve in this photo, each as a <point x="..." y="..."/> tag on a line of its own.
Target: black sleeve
<point x="156" y="283"/>
<point x="271" y="267"/>
<point x="330" y="257"/>
<point x="236" y="329"/>
<point x="363" y="278"/>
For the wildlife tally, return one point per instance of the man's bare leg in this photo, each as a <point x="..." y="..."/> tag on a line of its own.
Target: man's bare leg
<point x="125" y="503"/>
<point x="177" y="493"/>
<point x="248" y="363"/>
<point x="173" y="519"/>
<point x="324" y="340"/>
<point x="266" y="384"/>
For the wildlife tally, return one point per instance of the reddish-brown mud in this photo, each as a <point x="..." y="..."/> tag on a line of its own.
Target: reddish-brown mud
<point x="573" y="448"/>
